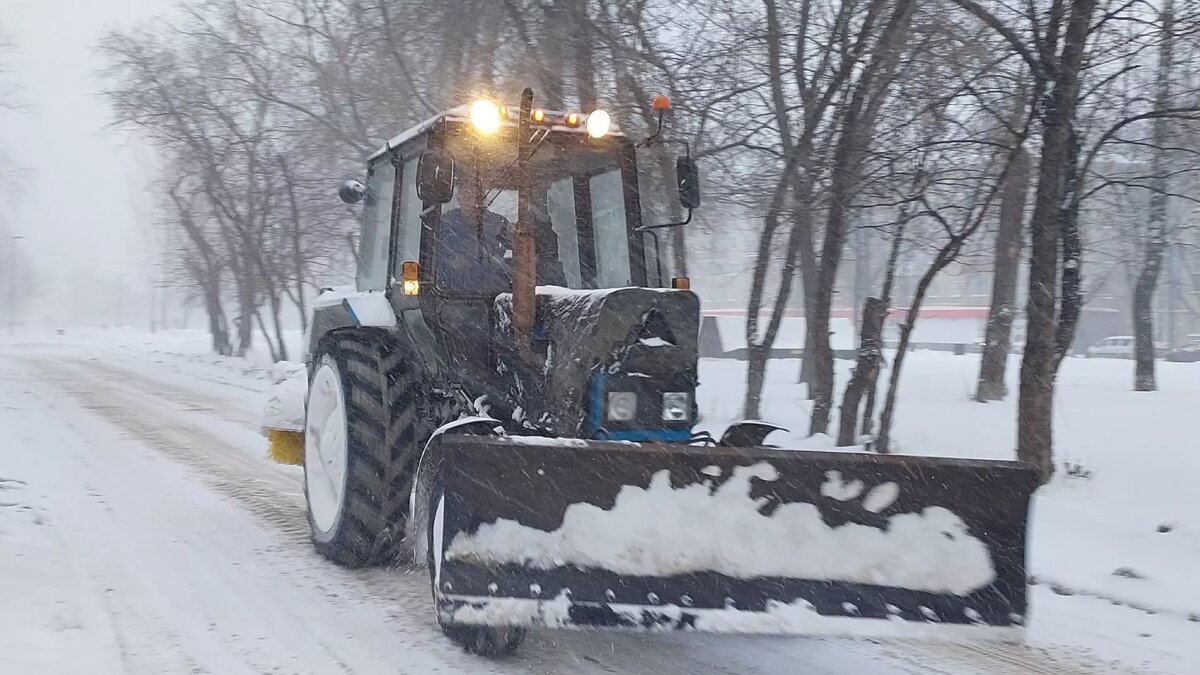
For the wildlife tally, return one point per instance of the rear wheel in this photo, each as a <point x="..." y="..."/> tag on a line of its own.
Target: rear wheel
<point x="358" y="452"/>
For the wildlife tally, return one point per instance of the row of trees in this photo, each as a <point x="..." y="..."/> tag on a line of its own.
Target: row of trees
<point x="16" y="270"/>
<point x="258" y="108"/>
<point x="934" y="123"/>
<point x="944" y="128"/>
<point x="10" y="103"/>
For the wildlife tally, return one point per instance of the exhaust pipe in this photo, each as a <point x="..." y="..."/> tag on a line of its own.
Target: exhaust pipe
<point x="524" y="255"/>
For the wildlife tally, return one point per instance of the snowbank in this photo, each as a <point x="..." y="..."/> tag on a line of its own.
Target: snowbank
<point x="284" y="409"/>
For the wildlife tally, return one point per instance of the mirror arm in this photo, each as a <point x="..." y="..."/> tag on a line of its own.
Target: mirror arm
<point x="645" y="228"/>
<point x="649" y="140"/>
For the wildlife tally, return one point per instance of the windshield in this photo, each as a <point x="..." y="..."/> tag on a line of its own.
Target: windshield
<point x="579" y="216"/>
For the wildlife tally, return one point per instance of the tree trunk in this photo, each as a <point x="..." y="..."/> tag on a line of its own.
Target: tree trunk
<point x="800" y="174"/>
<point x="757" y="345"/>
<point x="889" y="280"/>
<point x="245" y="321"/>
<point x="870" y="355"/>
<point x="280" y="352"/>
<point x="549" y="62"/>
<point x="582" y="53"/>
<point x="297" y="250"/>
<point x="756" y="371"/>
<point x="1156" y="236"/>
<point x="1006" y="265"/>
<point x="849" y="154"/>
<point x="1143" y="330"/>
<point x="1040" y="363"/>
<point x="217" y="327"/>
<point x="944" y="256"/>
<point x="262" y="326"/>
<point x="862" y="266"/>
<point x="883" y="444"/>
<point x="764" y="343"/>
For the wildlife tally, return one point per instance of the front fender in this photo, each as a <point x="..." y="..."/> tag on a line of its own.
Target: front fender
<point x="427" y="471"/>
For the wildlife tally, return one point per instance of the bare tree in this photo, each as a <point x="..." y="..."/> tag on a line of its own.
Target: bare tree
<point x="858" y="120"/>
<point x="1006" y="264"/>
<point x="1156" y="237"/>
<point x="820" y="74"/>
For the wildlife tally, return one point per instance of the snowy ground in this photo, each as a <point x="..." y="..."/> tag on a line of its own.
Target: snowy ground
<point x="142" y="529"/>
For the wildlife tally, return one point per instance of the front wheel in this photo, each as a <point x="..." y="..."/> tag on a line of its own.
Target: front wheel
<point x="490" y="641"/>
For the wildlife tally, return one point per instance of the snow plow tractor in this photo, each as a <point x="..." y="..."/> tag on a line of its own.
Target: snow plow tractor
<point x="508" y="394"/>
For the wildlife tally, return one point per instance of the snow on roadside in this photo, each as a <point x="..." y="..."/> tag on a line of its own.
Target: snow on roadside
<point x="1120" y="520"/>
<point x="181" y="358"/>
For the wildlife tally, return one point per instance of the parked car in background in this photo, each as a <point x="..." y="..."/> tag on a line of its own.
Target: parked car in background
<point x="1116" y="347"/>
<point x="1185" y="353"/>
<point x="1120" y="347"/>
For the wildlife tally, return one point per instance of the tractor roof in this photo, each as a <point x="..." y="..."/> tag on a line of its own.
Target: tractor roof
<point x="461" y="114"/>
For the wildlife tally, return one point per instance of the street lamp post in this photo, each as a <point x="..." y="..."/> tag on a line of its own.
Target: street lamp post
<point x="12" y="283"/>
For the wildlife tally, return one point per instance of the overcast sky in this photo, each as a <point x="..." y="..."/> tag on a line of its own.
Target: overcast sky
<point x="84" y="207"/>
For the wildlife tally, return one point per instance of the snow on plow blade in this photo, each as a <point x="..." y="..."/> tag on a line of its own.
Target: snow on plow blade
<point x="563" y="533"/>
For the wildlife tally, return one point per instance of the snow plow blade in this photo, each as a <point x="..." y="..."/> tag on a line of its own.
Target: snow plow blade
<point x="572" y="533"/>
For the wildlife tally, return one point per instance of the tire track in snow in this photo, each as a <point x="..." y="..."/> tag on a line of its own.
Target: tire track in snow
<point x="269" y="494"/>
<point x="128" y="399"/>
<point x="151" y="638"/>
<point x="185" y="398"/>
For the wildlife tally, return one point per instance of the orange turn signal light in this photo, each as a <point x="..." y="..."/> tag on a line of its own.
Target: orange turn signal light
<point x="681" y="283"/>
<point x="410" y="273"/>
<point x="572" y="119"/>
<point x="538" y="115"/>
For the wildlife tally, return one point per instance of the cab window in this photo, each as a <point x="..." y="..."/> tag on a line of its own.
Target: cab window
<point x="377" y="226"/>
<point x="408" y="225"/>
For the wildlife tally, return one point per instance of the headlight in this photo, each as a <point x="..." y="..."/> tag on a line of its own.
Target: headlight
<point x="622" y="406"/>
<point x="676" y="406"/>
<point x="485" y="116"/>
<point x="598" y="124"/>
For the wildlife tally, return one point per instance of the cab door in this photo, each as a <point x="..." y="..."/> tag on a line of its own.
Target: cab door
<point x="374" y="247"/>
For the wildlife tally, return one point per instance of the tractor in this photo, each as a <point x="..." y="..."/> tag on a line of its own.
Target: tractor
<point x="507" y="394"/>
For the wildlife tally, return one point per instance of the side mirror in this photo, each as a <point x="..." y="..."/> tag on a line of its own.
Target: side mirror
<point x="352" y="191"/>
<point x="435" y="177"/>
<point x="688" y="178"/>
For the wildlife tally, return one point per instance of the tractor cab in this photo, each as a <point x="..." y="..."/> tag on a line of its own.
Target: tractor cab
<point x="486" y="225"/>
<point x="585" y="209"/>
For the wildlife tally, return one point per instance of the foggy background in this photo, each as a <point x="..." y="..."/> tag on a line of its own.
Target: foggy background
<point x="79" y="203"/>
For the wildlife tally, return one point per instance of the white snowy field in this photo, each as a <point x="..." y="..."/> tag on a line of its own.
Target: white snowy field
<point x="143" y="530"/>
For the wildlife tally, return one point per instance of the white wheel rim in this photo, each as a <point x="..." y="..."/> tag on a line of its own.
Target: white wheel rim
<point x="325" y="448"/>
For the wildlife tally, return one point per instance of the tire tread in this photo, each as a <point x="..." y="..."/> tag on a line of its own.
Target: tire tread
<point x="383" y="394"/>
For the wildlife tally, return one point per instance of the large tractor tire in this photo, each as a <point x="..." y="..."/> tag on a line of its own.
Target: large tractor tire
<point x="360" y="450"/>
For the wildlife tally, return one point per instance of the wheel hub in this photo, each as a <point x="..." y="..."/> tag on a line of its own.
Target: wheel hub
<point x="325" y="455"/>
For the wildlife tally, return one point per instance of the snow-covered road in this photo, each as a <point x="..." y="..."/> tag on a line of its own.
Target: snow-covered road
<point x="142" y="531"/>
